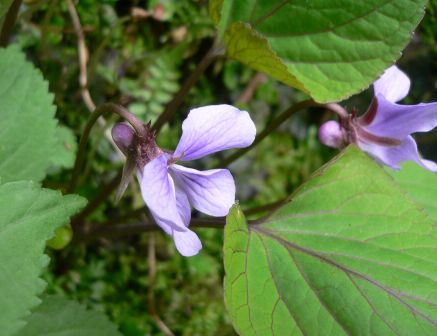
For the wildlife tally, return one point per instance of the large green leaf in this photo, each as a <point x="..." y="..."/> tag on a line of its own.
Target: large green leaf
<point x="57" y="316"/>
<point x="349" y="254"/>
<point x="420" y="184"/>
<point x="29" y="216"/>
<point x="330" y="49"/>
<point x="65" y="148"/>
<point x="27" y="132"/>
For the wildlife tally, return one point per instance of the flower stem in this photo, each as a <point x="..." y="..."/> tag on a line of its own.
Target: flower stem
<point x="8" y="23"/>
<point x="171" y="108"/>
<point x="100" y="111"/>
<point x="269" y="129"/>
<point x="103" y="194"/>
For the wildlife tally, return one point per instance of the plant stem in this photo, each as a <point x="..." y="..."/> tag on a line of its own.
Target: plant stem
<point x="82" y="55"/>
<point x="269" y="129"/>
<point x="9" y="22"/>
<point x="104" y="193"/>
<point x="99" y="111"/>
<point x="151" y="261"/>
<point x="118" y="230"/>
<point x="171" y="108"/>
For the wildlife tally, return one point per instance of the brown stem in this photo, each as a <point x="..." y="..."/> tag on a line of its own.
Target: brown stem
<point x="248" y="92"/>
<point x="83" y="57"/>
<point x="151" y="261"/>
<point x="171" y="108"/>
<point x="9" y="22"/>
<point x="118" y="230"/>
<point x="102" y="196"/>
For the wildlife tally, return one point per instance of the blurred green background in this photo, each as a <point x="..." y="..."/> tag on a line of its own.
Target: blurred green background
<point x="139" y="54"/>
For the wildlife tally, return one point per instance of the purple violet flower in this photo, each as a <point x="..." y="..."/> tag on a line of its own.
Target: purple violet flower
<point x="384" y="131"/>
<point x="169" y="189"/>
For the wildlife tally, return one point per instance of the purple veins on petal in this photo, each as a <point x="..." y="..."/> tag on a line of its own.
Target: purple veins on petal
<point x="211" y="192"/>
<point x="398" y="121"/>
<point x="158" y="191"/>
<point x="214" y="128"/>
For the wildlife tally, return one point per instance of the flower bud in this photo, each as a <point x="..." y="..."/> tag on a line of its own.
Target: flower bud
<point x="123" y="137"/>
<point x="330" y="134"/>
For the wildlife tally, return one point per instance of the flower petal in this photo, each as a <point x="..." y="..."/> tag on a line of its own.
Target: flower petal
<point x="393" y="84"/>
<point x="187" y="243"/>
<point x="393" y="156"/>
<point x="167" y="206"/>
<point x="211" y="192"/>
<point x="214" y="128"/>
<point x="183" y="206"/>
<point x="158" y="191"/>
<point x="398" y="121"/>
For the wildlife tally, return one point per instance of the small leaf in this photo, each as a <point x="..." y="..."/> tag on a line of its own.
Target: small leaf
<point x="349" y="254"/>
<point x="57" y="316"/>
<point x="420" y="184"/>
<point x="27" y="133"/>
<point x="329" y="49"/>
<point x="29" y="216"/>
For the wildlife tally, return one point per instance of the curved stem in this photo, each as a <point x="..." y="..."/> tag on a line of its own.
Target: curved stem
<point x="269" y="129"/>
<point x="92" y="205"/>
<point x="8" y="23"/>
<point x="171" y="108"/>
<point x="99" y="111"/>
<point x="336" y="108"/>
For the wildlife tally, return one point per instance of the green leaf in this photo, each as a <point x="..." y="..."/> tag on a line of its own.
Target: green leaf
<point x="27" y="133"/>
<point x="329" y="49"/>
<point x="349" y="254"/>
<point x="65" y="148"/>
<point x="29" y="216"/>
<point x="57" y="316"/>
<point x="420" y="184"/>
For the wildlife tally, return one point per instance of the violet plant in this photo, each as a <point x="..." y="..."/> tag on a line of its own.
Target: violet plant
<point x="169" y="189"/>
<point x="352" y="251"/>
<point x="384" y="131"/>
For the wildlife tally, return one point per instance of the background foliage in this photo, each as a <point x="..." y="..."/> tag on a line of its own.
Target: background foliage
<point x="139" y="54"/>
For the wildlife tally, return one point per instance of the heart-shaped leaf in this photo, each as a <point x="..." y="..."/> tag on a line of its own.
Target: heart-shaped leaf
<point x="349" y="254"/>
<point x="329" y="49"/>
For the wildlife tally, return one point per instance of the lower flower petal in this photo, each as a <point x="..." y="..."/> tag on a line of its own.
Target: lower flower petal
<point x="393" y="156"/>
<point x="183" y="206"/>
<point x="168" y="206"/>
<point x="158" y="191"/>
<point x="187" y="243"/>
<point x="211" y="192"/>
